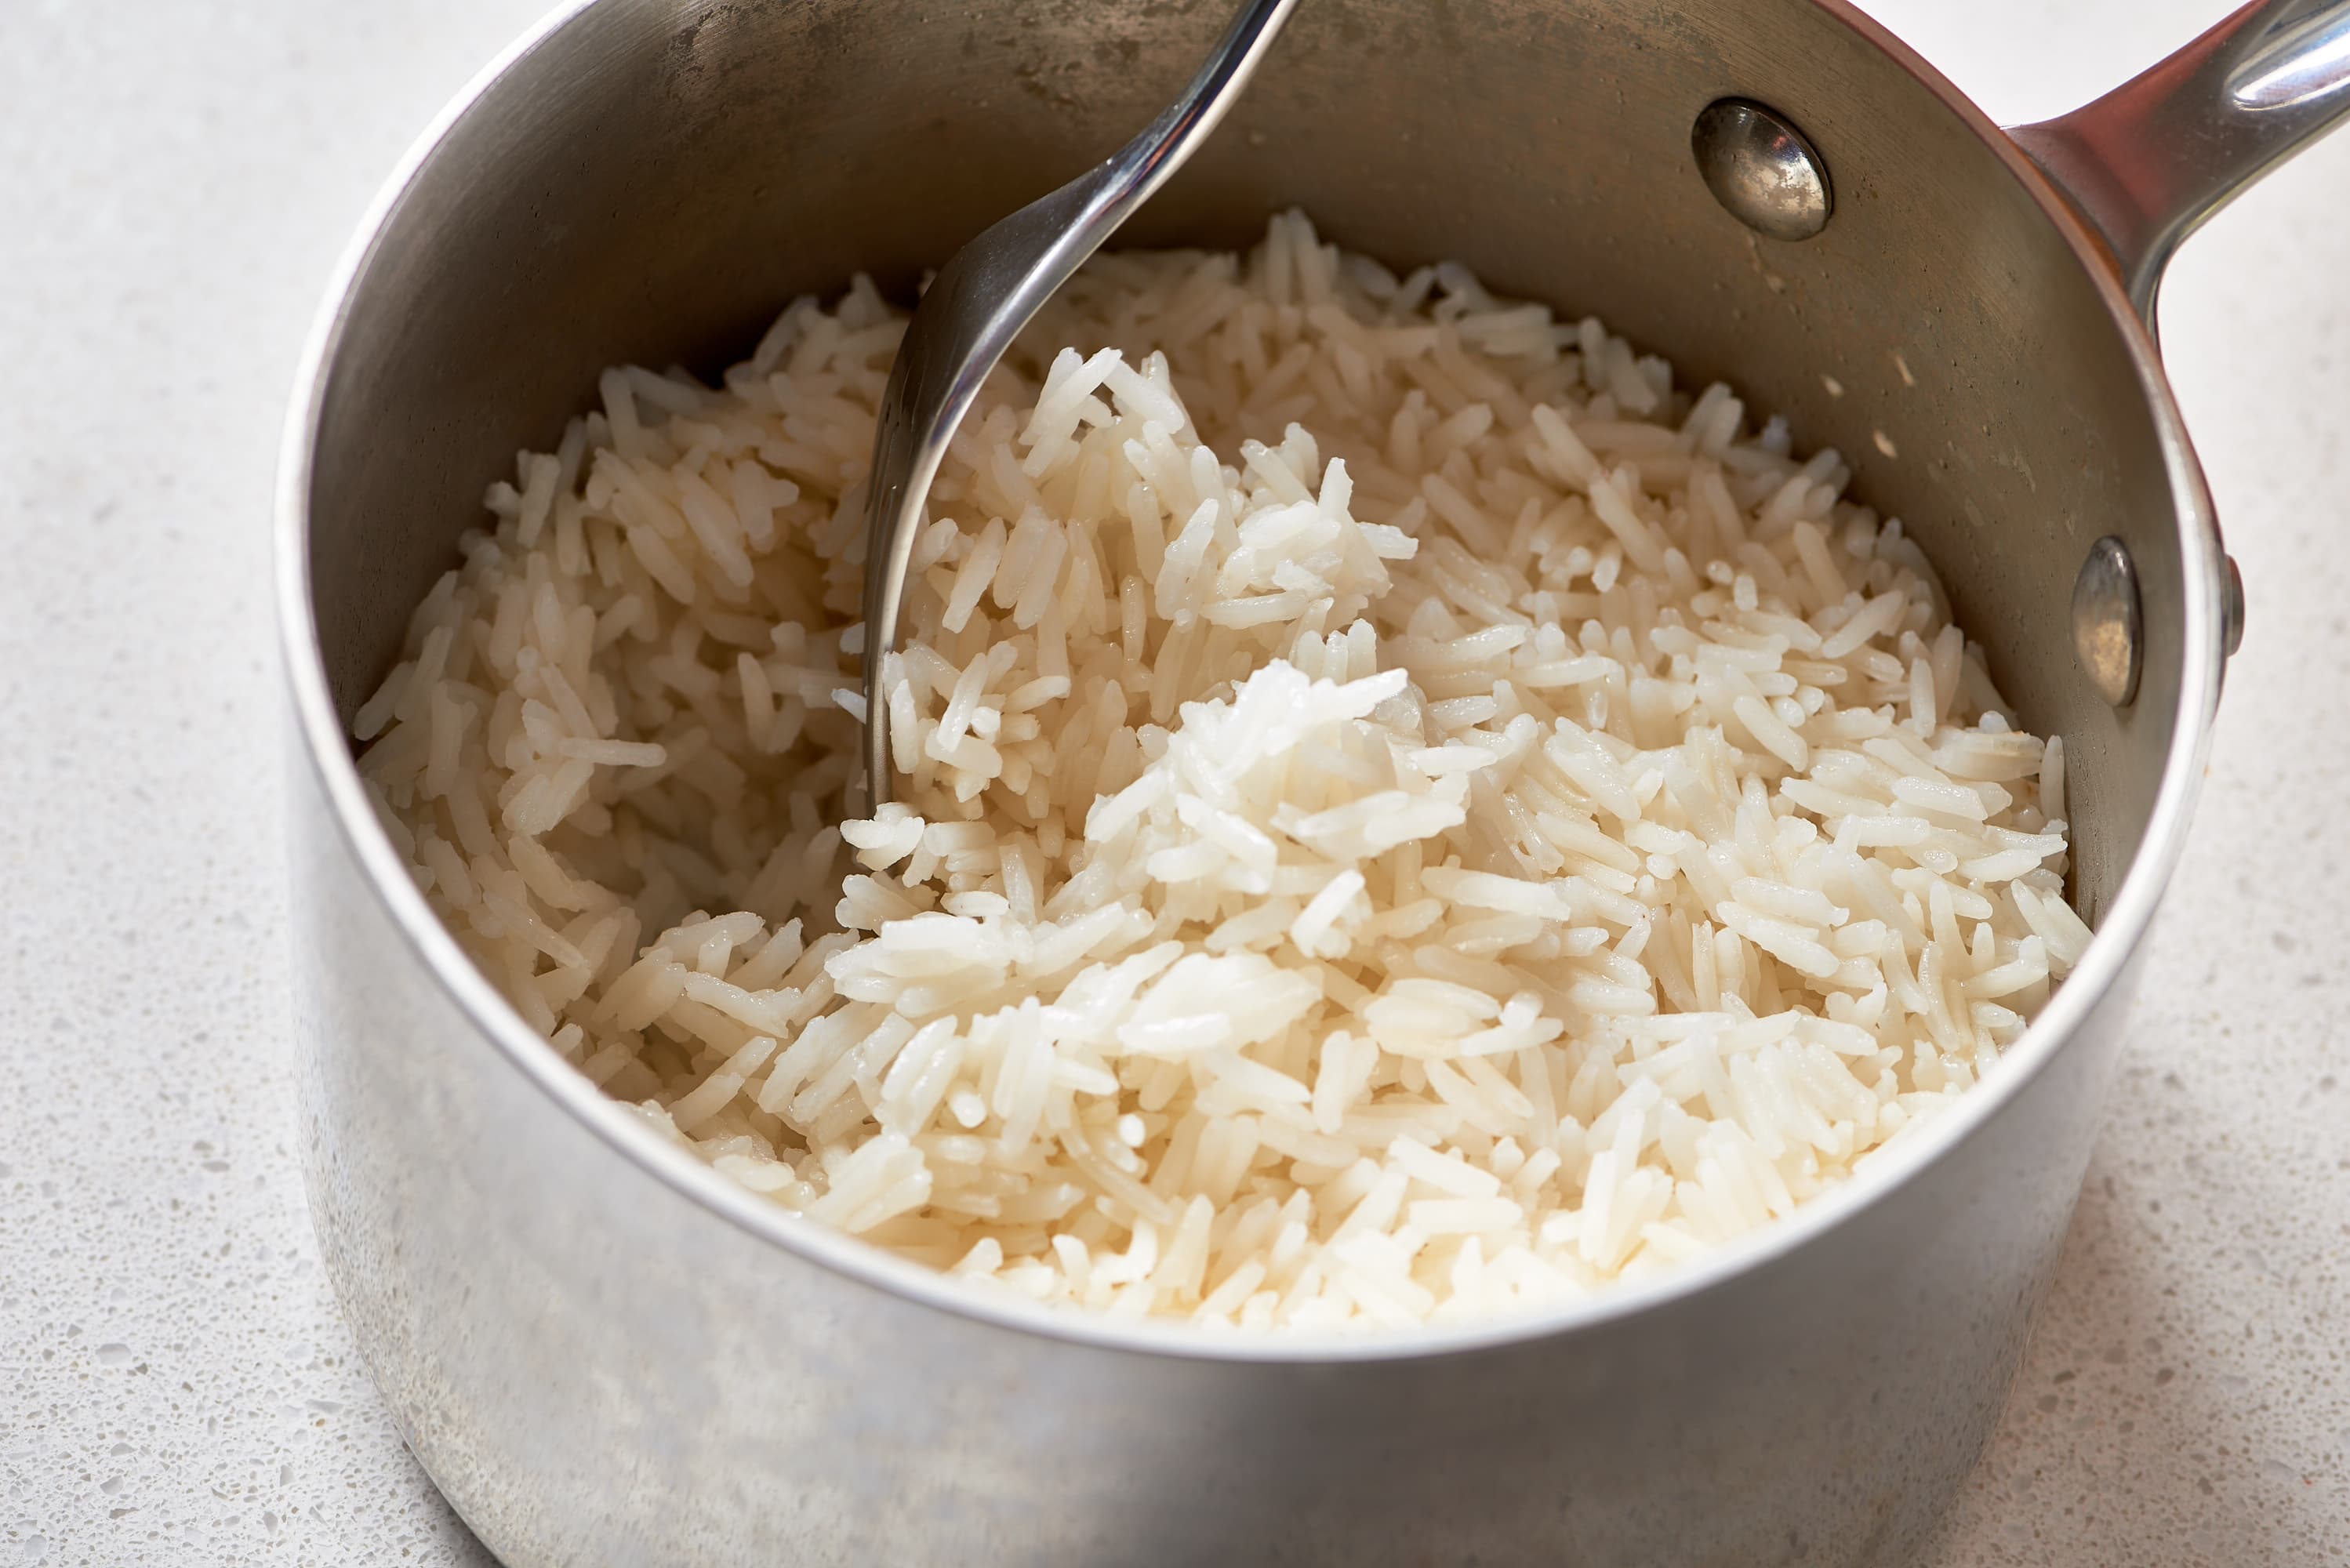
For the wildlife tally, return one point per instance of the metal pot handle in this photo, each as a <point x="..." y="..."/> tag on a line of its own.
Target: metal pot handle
<point x="2150" y="160"/>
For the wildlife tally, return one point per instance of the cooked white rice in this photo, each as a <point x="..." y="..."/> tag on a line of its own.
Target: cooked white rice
<point x="1405" y="813"/>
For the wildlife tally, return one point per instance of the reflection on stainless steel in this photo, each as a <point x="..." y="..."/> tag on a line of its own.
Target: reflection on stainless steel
<point x="2232" y="609"/>
<point x="1762" y="169"/>
<point x="2300" y="55"/>
<point x="2172" y="146"/>
<point x="979" y="302"/>
<point x="2108" y="634"/>
<point x="604" y="1351"/>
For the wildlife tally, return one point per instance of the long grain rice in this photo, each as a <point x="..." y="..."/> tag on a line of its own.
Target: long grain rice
<point x="1404" y="812"/>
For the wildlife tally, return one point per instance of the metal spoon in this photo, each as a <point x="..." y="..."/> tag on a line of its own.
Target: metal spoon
<point x="978" y="303"/>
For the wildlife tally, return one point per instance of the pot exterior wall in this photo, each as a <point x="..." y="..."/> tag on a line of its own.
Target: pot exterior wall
<point x="596" y="1367"/>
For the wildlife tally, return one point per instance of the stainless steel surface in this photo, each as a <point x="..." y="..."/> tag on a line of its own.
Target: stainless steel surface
<point x="1762" y="169"/>
<point x="2155" y="157"/>
<point x="981" y="299"/>
<point x="2108" y="632"/>
<point x="603" y="1351"/>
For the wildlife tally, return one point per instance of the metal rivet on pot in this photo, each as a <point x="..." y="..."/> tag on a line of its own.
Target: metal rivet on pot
<point x="2108" y="634"/>
<point x="1762" y="169"/>
<point x="2232" y="609"/>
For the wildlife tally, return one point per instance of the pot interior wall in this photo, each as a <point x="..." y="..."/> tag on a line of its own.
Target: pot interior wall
<point x="653" y="180"/>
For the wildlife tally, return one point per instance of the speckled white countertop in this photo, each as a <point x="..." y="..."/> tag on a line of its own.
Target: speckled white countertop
<point x="176" y="179"/>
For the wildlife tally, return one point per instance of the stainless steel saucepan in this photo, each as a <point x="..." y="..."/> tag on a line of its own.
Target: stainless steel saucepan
<point x="604" y="1353"/>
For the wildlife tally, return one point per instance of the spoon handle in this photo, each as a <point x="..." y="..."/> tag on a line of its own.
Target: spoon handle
<point x="979" y="302"/>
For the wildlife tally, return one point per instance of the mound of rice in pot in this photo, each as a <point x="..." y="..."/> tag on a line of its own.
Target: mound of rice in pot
<point x="1403" y="813"/>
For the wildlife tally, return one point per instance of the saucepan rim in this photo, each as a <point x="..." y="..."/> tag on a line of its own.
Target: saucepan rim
<point x="328" y="753"/>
